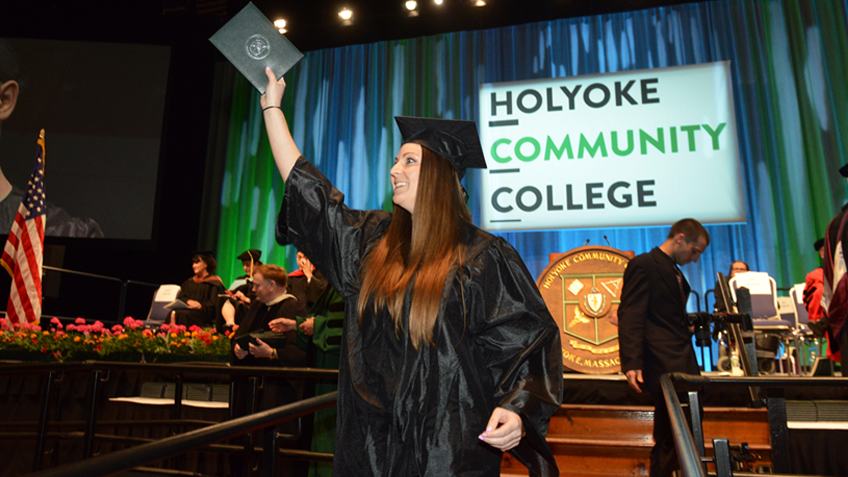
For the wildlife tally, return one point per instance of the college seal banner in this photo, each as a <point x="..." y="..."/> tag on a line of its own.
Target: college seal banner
<point x="582" y="289"/>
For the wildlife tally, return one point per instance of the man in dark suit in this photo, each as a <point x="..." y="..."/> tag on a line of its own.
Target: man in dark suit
<point x="654" y="332"/>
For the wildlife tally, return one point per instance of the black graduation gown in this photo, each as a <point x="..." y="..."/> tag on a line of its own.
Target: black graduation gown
<point x="257" y="319"/>
<point x="206" y="293"/>
<point x="406" y="412"/>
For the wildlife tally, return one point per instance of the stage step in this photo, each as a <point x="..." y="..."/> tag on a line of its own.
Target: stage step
<point x="599" y="441"/>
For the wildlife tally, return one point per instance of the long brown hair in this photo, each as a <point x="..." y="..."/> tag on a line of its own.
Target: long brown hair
<point x="418" y="250"/>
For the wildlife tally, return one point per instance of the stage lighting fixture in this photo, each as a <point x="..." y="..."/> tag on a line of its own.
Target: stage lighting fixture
<point x="346" y="14"/>
<point x="480" y="3"/>
<point x="281" y="25"/>
<point x="412" y="8"/>
<point x="438" y="2"/>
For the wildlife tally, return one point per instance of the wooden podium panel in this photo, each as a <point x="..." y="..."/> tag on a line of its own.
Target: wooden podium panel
<point x="582" y="289"/>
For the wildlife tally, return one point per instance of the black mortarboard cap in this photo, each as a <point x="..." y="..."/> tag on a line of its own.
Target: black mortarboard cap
<point x="248" y="254"/>
<point x="454" y="139"/>
<point x="819" y="244"/>
<point x="251" y="42"/>
<point x="844" y="170"/>
<point x="203" y="253"/>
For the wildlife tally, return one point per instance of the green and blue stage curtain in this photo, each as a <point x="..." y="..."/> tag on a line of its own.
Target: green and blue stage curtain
<point x="788" y="58"/>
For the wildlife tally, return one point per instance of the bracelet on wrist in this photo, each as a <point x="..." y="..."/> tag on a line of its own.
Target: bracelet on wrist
<point x="271" y="107"/>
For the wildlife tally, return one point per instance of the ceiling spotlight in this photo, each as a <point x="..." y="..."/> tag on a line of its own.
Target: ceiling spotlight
<point x="280" y="25"/>
<point x="480" y="3"/>
<point x="412" y="8"/>
<point x="438" y="2"/>
<point x="345" y="14"/>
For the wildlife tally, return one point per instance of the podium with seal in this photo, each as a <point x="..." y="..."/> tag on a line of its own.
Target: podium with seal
<point x="582" y="289"/>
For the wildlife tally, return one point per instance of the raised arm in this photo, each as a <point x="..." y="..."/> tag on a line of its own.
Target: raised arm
<point x="283" y="148"/>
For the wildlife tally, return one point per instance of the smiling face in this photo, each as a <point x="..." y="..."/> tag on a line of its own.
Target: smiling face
<point x="198" y="266"/>
<point x="404" y="176"/>
<point x="265" y="289"/>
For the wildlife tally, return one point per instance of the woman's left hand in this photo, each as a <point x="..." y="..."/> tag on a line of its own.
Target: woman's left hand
<point x="504" y="430"/>
<point x="273" y="91"/>
<point x="261" y="349"/>
<point x="194" y="304"/>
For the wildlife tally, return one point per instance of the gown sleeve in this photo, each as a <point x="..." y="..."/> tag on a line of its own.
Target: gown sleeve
<point x="522" y="346"/>
<point x="314" y="218"/>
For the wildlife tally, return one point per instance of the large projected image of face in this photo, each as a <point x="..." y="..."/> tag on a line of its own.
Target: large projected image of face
<point x="102" y="138"/>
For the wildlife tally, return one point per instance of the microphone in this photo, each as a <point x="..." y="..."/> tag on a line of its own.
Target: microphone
<point x="586" y="242"/>
<point x="608" y="242"/>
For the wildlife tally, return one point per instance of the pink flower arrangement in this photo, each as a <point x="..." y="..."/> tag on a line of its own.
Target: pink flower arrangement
<point x="83" y="340"/>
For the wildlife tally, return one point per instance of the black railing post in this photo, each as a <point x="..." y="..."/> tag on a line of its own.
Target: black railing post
<point x="93" y="391"/>
<point x="177" y="411"/>
<point x="44" y="418"/>
<point x="269" y="452"/>
<point x="57" y="413"/>
<point x="122" y="302"/>
<point x="721" y="449"/>
<point x="252" y="389"/>
<point x="697" y="425"/>
<point x="779" y="432"/>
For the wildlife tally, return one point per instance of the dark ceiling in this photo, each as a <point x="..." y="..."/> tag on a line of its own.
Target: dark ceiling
<point x="313" y="24"/>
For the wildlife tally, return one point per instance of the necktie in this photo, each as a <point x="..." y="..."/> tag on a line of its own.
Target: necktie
<point x="679" y="276"/>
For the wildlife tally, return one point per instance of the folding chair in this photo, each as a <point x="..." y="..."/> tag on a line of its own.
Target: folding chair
<point x="164" y="295"/>
<point x="770" y="329"/>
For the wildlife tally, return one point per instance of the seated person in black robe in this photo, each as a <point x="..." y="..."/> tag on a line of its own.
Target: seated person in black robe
<point x="241" y="293"/>
<point x="272" y="302"/>
<point x="306" y="283"/>
<point x="200" y="293"/>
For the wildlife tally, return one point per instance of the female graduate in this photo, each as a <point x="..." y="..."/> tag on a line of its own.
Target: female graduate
<point x="449" y="355"/>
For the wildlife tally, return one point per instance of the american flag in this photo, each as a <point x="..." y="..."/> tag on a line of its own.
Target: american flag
<point x="24" y="251"/>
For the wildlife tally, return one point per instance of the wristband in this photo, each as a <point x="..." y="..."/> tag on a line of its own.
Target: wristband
<point x="271" y="107"/>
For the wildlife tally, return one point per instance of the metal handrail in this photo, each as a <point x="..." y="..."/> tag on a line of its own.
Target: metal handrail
<point x="123" y="293"/>
<point x="687" y="453"/>
<point x="693" y="381"/>
<point x="684" y="442"/>
<point x="98" y="368"/>
<point x="83" y="274"/>
<point x="211" y="368"/>
<point x="155" y="451"/>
